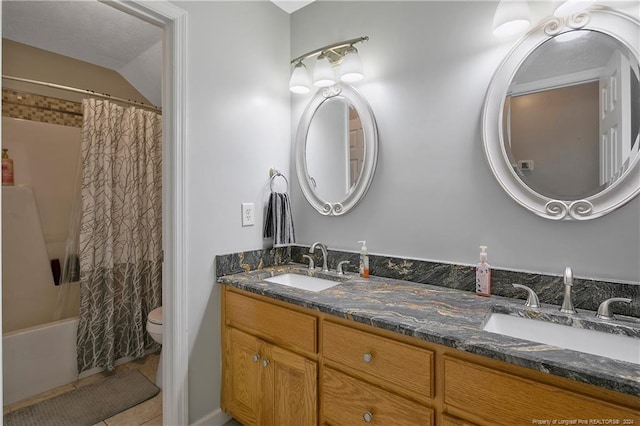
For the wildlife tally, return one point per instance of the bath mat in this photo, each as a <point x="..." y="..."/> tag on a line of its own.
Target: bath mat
<point x="89" y="404"/>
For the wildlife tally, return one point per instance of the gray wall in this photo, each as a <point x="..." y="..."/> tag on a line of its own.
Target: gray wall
<point x="237" y="127"/>
<point x="428" y="66"/>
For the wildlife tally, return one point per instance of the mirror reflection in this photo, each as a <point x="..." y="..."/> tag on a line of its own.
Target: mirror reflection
<point x="572" y="114"/>
<point x="335" y="149"/>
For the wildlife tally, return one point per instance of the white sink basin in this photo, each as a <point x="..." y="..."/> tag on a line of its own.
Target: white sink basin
<point x="303" y="282"/>
<point x="594" y="342"/>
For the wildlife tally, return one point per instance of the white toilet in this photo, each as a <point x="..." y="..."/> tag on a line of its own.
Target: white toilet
<point x="154" y="328"/>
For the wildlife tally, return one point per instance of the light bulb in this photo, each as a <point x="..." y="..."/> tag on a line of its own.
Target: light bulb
<point x="299" y="82"/>
<point x="351" y="69"/>
<point x="511" y="17"/>
<point x="323" y="75"/>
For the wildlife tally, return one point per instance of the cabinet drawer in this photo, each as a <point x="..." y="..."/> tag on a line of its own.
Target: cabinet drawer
<point x="280" y="325"/>
<point x="453" y="421"/>
<point x="506" y="399"/>
<point x="397" y="363"/>
<point x="349" y="401"/>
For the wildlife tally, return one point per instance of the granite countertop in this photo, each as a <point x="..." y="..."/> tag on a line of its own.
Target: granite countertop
<point x="454" y="318"/>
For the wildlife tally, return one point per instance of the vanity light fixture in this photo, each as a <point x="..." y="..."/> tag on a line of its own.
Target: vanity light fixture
<point x="299" y="82"/>
<point x="323" y="75"/>
<point x="351" y="69"/>
<point x="340" y="59"/>
<point x="571" y="7"/>
<point x="512" y="17"/>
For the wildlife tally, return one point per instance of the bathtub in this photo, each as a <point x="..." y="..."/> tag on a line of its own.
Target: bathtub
<point x="41" y="358"/>
<point x="38" y="359"/>
<point x="38" y="347"/>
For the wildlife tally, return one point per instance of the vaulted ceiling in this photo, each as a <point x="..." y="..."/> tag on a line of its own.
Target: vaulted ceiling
<point x="92" y="32"/>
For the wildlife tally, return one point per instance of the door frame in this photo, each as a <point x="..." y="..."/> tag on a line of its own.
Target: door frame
<point x="175" y="348"/>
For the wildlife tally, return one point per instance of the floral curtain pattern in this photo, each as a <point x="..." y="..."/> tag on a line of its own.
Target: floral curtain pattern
<point x="120" y="244"/>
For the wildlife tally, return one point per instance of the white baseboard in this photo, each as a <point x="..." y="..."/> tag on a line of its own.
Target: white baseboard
<point x="215" y="418"/>
<point x="117" y="362"/>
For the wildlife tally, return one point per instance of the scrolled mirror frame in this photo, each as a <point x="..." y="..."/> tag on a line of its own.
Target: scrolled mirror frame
<point x="370" y="132"/>
<point x="618" y="25"/>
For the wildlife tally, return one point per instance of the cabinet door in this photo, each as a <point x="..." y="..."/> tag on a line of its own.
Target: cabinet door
<point x="241" y="376"/>
<point x="290" y="388"/>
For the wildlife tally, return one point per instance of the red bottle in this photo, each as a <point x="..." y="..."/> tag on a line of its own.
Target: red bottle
<point x="7" y="168"/>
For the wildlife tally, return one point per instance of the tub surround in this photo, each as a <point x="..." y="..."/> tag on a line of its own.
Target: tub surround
<point x="46" y="367"/>
<point x="452" y="318"/>
<point x="586" y="293"/>
<point x="29" y="106"/>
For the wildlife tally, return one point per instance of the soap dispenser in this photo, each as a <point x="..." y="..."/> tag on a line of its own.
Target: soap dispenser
<point x="483" y="274"/>
<point x="7" y="168"/>
<point x="364" y="260"/>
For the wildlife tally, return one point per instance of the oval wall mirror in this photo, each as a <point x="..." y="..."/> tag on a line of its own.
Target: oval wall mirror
<point x="336" y="149"/>
<point x="562" y="116"/>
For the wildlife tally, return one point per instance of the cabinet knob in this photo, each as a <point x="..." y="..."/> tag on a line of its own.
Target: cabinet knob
<point x="367" y="417"/>
<point x="256" y="357"/>
<point x="367" y="357"/>
<point x="265" y="363"/>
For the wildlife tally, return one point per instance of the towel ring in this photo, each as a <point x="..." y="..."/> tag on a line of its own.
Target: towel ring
<point x="274" y="176"/>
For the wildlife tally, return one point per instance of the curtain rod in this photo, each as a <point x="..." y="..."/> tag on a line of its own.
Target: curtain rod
<point x="83" y="91"/>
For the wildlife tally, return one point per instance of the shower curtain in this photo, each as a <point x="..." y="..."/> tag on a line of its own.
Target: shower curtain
<point x="120" y="237"/>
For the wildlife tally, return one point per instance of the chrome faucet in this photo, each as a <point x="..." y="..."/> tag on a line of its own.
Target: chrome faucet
<point x="567" y="304"/>
<point x="532" y="299"/>
<point x="310" y="259"/>
<point x="604" y="310"/>
<point x="323" y="248"/>
<point x="340" y="268"/>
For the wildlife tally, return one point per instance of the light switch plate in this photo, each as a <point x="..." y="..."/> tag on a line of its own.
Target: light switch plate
<point x="248" y="216"/>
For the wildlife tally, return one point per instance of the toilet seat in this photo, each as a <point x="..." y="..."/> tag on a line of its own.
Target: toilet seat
<point x="154" y="328"/>
<point x="155" y="316"/>
<point x="154" y="324"/>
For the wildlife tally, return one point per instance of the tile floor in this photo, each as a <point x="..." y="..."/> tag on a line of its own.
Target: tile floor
<point x="148" y="413"/>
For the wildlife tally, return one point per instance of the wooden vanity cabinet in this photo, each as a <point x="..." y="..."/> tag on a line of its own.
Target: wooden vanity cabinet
<point x="332" y="371"/>
<point x="264" y="383"/>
